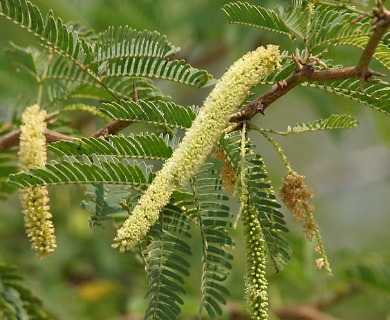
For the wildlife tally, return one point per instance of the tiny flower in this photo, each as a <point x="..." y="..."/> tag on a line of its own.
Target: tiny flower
<point x="35" y="200"/>
<point x="320" y="263"/>
<point x="230" y="91"/>
<point x="228" y="174"/>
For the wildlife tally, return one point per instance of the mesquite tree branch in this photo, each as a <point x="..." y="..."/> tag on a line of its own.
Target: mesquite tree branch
<point x="304" y="72"/>
<point x="12" y="139"/>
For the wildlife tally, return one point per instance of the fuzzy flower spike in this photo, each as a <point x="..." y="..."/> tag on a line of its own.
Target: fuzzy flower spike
<point x="199" y="140"/>
<point x="35" y="200"/>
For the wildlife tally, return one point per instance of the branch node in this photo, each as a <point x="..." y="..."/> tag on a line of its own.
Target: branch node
<point x="248" y="111"/>
<point x="281" y="85"/>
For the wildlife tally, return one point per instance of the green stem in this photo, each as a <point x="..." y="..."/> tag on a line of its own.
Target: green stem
<point x="338" y="5"/>
<point x="41" y="80"/>
<point x="320" y="243"/>
<point x="279" y="151"/>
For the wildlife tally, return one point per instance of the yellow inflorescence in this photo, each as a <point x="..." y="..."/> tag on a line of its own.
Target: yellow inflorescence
<point x="35" y="201"/>
<point x="199" y="140"/>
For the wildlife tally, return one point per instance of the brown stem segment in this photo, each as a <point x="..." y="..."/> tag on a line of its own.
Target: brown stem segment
<point x="12" y="139"/>
<point x="112" y="128"/>
<point x="380" y="26"/>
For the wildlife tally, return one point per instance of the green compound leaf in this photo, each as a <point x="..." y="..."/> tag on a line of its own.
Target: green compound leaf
<point x="206" y="206"/>
<point x="141" y="146"/>
<point x="369" y="271"/>
<point x="104" y="201"/>
<point x="261" y="197"/>
<point x="335" y="121"/>
<point x="165" y="253"/>
<point x="122" y="53"/>
<point x="16" y="301"/>
<point x="316" y="26"/>
<point x="159" y="113"/>
<point x="382" y="52"/>
<point x="255" y="16"/>
<point x="375" y="95"/>
<point x="127" y="42"/>
<point x="335" y="26"/>
<point x="51" y="31"/>
<point x="73" y="171"/>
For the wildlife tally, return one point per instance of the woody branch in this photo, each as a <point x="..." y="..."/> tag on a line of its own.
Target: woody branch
<point x="307" y="72"/>
<point x="304" y="72"/>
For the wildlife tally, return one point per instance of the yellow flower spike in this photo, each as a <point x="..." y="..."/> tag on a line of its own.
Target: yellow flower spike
<point x="35" y="201"/>
<point x="199" y="140"/>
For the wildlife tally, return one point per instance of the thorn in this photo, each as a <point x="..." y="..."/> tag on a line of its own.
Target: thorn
<point x="281" y="85"/>
<point x="299" y="66"/>
<point x="368" y="77"/>
<point x="261" y="108"/>
<point x="135" y="93"/>
<point x="377" y="74"/>
<point x="106" y="134"/>
<point x="362" y="81"/>
<point x="360" y="18"/>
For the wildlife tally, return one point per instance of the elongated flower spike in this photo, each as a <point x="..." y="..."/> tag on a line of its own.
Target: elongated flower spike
<point x="256" y="284"/>
<point x="35" y="200"/>
<point x="199" y="140"/>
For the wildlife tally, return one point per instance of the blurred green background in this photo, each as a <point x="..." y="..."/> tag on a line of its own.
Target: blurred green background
<point x="349" y="171"/>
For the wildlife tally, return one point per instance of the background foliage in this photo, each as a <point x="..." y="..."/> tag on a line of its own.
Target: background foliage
<point x="87" y="279"/>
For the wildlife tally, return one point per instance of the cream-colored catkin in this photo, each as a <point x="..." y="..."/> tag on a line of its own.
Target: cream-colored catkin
<point x="35" y="200"/>
<point x="198" y="141"/>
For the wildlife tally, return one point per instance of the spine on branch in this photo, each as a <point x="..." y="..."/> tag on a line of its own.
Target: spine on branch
<point x="199" y="140"/>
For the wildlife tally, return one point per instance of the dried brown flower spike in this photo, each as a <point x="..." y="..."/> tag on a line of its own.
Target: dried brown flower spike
<point x="228" y="174"/>
<point x="296" y="194"/>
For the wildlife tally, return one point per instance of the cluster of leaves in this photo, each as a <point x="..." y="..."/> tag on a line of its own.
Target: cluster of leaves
<point x="78" y="69"/>
<point x="315" y="29"/>
<point x="16" y="301"/>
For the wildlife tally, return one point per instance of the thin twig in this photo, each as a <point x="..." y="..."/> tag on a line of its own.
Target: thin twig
<point x="12" y="139"/>
<point x="380" y="26"/>
<point x="112" y="128"/>
<point x="116" y="125"/>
